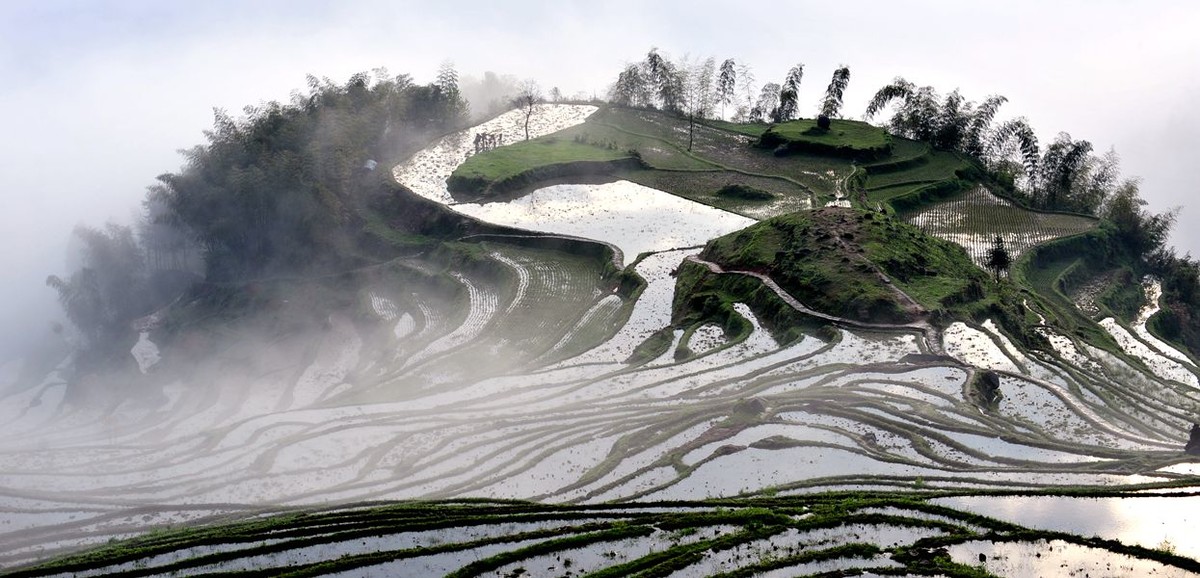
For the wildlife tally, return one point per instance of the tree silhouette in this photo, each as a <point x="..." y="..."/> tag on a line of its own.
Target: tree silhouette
<point x="998" y="257"/>
<point x="768" y="102"/>
<point x="726" y="81"/>
<point x="832" y="103"/>
<point x="529" y="97"/>
<point x="789" y="95"/>
<point x="666" y="80"/>
<point x="630" y="88"/>
<point x="898" y="89"/>
<point x="1018" y="129"/>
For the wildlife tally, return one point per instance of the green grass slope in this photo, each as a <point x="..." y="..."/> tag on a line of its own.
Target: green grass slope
<point x="510" y="167"/>
<point x="817" y="165"/>
<point x="850" y="263"/>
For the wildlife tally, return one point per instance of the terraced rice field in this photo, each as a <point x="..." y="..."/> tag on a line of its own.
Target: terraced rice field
<point x="974" y="219"/>
<point x="510" y="379"/>
<point x="774" y="537"/>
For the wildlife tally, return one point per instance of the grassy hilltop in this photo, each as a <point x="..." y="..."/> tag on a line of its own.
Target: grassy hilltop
<point x="864" y="263"/>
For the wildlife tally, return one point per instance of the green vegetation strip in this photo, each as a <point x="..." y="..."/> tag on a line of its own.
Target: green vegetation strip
<point x="509" y="161"/>
<point x="752" y="519"/>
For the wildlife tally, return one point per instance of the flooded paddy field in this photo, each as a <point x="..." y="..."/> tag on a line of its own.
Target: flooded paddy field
<point x="525" y="376"/>
<point x="764" y="537"/>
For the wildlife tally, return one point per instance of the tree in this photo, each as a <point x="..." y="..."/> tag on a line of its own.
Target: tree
<point x="976" y="139"/>
<point x="726" y="82"/>
<point x="789" y="94"/>
<point x="274" y="191"/>
<point x="109" y="289"/>
<point x="745" y="76"/>
<point x="529" y="97"/>
<point x="1061" y="168"/>
<point x="697" y="93"/>
<point x="832" y="103"/>
<point x="951" y="123"/>
<point x="666" y="80"/>
<point x="998" y="257"/>
<point x="768" y="102"/>
<point x="631" y="88"/>
<point x="447" y="77"/>
<point x="1017" y="132"/>
<point x="700" y="78"/>
<point x="1141" y="232"/>
<point x="898" y="89"/>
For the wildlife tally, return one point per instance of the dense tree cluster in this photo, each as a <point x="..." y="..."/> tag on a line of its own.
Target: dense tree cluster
<point x="108" y="289"/>
<point x="272" y="191"/>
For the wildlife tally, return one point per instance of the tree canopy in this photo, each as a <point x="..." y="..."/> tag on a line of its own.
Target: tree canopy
<point x="274" y="189"/>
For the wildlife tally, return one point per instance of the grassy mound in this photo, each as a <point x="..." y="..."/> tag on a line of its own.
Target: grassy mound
<point x="850" y="263"/>
<point x="843" y="138"/>
<point x="511" y="167"/>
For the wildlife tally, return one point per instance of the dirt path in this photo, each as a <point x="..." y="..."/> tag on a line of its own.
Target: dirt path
<point x="930" y="334"/>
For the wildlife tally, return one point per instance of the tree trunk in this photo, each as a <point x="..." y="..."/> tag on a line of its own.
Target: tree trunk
<point x="528" y="114"/>
<point x="691" y="129"/>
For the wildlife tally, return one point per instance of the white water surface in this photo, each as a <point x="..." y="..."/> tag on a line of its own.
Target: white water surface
<point x="635" y="218"/>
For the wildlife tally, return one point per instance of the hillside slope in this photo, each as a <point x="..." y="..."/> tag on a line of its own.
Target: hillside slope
<point x="851" y="263"/>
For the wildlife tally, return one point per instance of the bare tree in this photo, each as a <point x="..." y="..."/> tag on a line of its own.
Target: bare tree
<point x="528" y="99"/>
<point x="697" y="93"/>
<point x="745" y="77"/>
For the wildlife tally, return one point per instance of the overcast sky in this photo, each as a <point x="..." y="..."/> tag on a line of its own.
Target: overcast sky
<point x="98" y="95"/>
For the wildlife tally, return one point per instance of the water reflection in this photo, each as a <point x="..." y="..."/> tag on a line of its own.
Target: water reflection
<point x="633" y="217"/>
<point x="1151" y="521"/>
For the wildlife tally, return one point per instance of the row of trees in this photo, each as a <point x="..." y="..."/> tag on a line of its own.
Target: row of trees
<point x="1066" y="175"/>
<point x="701" y="89"/>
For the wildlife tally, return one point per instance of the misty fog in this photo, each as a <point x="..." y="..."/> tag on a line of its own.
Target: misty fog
<point x="486" y="365"/>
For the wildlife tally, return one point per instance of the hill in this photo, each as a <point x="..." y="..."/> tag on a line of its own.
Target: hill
<point x="833" y="384"/>
<point x="851" y="263"/>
